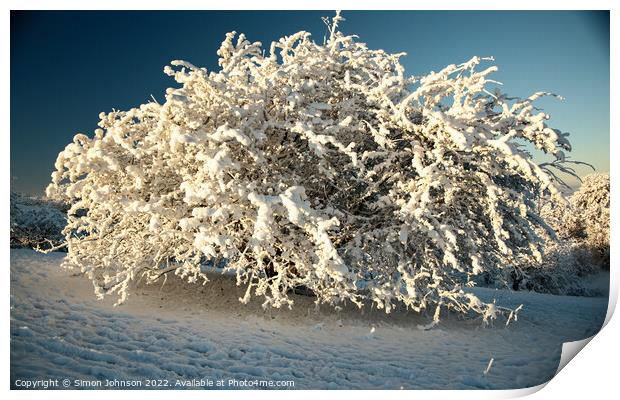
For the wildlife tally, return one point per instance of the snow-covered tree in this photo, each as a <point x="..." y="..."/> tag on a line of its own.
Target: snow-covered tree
<point x="314" y="165"/>
<point x="584" y="220"/>
<point x="592" y="203"/>
<point x="36" y="223"/>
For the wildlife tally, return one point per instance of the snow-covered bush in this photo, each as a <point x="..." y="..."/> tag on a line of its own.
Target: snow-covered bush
<point x="584" y="220"/>
<point x="565" y="265"/>
<point x="322" y="166"/>
<point x="36" y="223"/>
<point x="592" y="203"/>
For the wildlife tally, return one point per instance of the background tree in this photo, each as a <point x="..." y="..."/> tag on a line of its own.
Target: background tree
<point x="36" y="223"/>
<point x="583" y="223"/>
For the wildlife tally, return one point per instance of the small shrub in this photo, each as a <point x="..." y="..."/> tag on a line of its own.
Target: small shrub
<point x="36" y="223"/>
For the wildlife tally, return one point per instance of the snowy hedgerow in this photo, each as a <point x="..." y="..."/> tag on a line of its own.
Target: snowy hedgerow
<point x="36" y="223"/>
<point x="592" y="203"/>
<point x="585" y="218"/>
<point x="564" y="266"/>
<point x="314" y="165"/>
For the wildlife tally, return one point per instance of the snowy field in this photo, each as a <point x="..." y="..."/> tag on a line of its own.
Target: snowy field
<point x="59" y="330"/>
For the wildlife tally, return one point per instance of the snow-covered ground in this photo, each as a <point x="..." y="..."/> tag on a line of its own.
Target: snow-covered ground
<point x="175" y="332"/>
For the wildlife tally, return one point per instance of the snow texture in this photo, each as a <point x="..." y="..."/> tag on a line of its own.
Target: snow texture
<point x="59" y="330"/>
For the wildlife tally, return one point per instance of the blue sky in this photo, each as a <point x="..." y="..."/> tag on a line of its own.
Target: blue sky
<point x="67" y="67"/>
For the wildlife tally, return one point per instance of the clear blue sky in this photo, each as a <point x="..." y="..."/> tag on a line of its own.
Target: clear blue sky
<point x="67" y="67"/>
